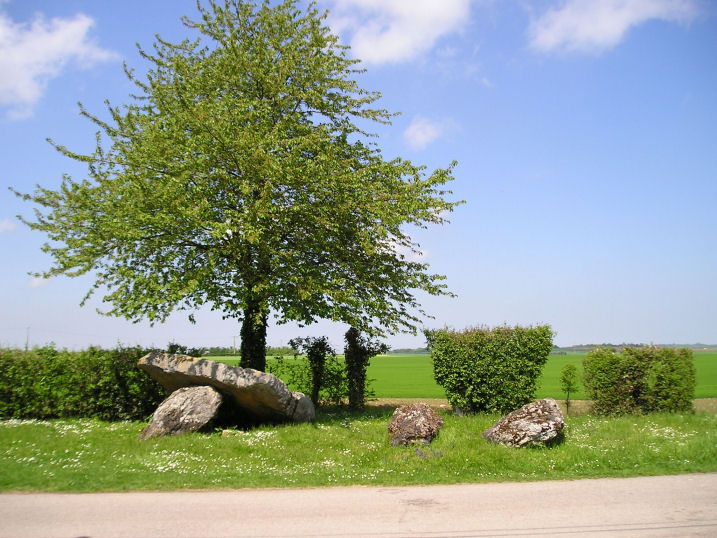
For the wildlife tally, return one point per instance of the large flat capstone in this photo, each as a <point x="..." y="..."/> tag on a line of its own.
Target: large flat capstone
<point x="260" y="396"/>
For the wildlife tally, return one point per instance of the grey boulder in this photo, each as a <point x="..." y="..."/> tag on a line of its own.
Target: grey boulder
<point x="186" y="410"/>
<point x="257" y="396"/>
<point x="535" y="423"/>
<point x="414" y="424"/>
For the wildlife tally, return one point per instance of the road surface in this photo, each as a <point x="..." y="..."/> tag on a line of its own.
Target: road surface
<point x="653" y="506"/>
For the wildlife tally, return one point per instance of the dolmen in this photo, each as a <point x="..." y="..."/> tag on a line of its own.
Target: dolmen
<point x="539" y="422"/>
<point x="232" y="394"/>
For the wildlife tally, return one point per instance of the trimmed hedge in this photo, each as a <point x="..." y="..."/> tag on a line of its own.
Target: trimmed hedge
<point x="490" y="370"/>
<point x="49" y="383"/>
<point x="640" y="380"/>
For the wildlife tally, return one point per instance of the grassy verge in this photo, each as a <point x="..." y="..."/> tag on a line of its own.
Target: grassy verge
<point x="341" y="448"/>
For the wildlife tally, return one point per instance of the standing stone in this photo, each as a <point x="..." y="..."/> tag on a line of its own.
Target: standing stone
<point x="186" y="410"/>
<point x="259" y="396"/>
<point x="537" y="422"/>
<point x="414" y="424"/>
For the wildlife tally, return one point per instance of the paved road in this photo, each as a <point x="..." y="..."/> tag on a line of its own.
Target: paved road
<point x="655" y="506"/>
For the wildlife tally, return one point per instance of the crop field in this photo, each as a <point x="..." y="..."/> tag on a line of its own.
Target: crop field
<point x="411" y="376"/>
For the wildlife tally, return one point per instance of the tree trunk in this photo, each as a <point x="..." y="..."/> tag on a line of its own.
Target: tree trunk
<point x="253" y="337"/>
<point x="356" y="363"/>
<point x="317" y="375"/>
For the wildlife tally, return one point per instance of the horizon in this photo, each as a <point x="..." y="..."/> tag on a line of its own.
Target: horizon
<point x="269" y="348"/>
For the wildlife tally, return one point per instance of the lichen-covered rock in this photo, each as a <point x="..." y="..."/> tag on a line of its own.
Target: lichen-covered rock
<point x="186" y="410"/>
<point x="414" y="424"/>
<point x="259" y="396"/>
<point x="535" y="423"/>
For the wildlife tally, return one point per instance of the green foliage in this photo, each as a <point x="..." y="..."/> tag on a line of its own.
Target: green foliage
<point x="357" y="354"/>
<point x="640" y="380"/>
<point x="569" y="382"/>
<point x="602" y="378"/>
<point x="49" y="383"/>
<point x="228" y="351"/>
<point x="297" y="374"/>
<point x="675" y="380"/>
<point x="173" y="348"/>
<point x="239" y="178"/>
<point x="279" y="351"/>
<point x="316" y="350"/>
<point x="489" y="370"/>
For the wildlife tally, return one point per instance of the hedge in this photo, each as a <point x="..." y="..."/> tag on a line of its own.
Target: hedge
<point x="490" y="370"/>
<point x="95" y="383"/>
<point x="640" y="380"/>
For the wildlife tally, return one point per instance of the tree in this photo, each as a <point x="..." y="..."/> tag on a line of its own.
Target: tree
<point x="358" y="353"/>
<point x="569" y="382"/>
<point x="242" y="177"/>
<point x="316" y="349"/>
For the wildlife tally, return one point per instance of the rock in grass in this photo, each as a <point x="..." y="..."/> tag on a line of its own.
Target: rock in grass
<point x="255" y="396"/>
<point x="414" y="424"/>
<point x="188" y="409"/>
<point x="535" y="423"/>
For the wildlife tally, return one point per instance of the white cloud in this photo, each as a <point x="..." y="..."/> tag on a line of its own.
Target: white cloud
<point x="38" y="282"/>
<point x="423" y="131"/>
<point x="6" y="225"/>
<point x="31" y="54"/>
<point x="384" y="31"/>
<point x="594" y="26"/>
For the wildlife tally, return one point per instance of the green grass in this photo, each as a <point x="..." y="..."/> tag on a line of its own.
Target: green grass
<point x="341" y="448"/>
<point x="706" y="366"/>
<point x="411" y="376"/>
<point x="549" y="384"/>
<point x="403" y="376"/>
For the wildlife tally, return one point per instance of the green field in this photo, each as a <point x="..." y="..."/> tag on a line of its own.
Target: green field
<point x="411" y="376"/>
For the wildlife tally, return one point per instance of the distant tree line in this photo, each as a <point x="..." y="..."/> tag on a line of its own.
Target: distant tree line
<point x="222" y="351"/>
<point x="618" y="347"/>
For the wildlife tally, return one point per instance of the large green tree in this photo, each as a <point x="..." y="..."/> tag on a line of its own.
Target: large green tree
<point x="243" y="176"/>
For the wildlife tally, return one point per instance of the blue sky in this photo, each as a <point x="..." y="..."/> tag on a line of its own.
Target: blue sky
<point x="585" y="132"/>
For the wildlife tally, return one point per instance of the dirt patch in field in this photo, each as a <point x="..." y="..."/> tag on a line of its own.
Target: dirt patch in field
<point x="706" y="405"/>
<point x="577" y="407"/>
<point x="439" y="404"/>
